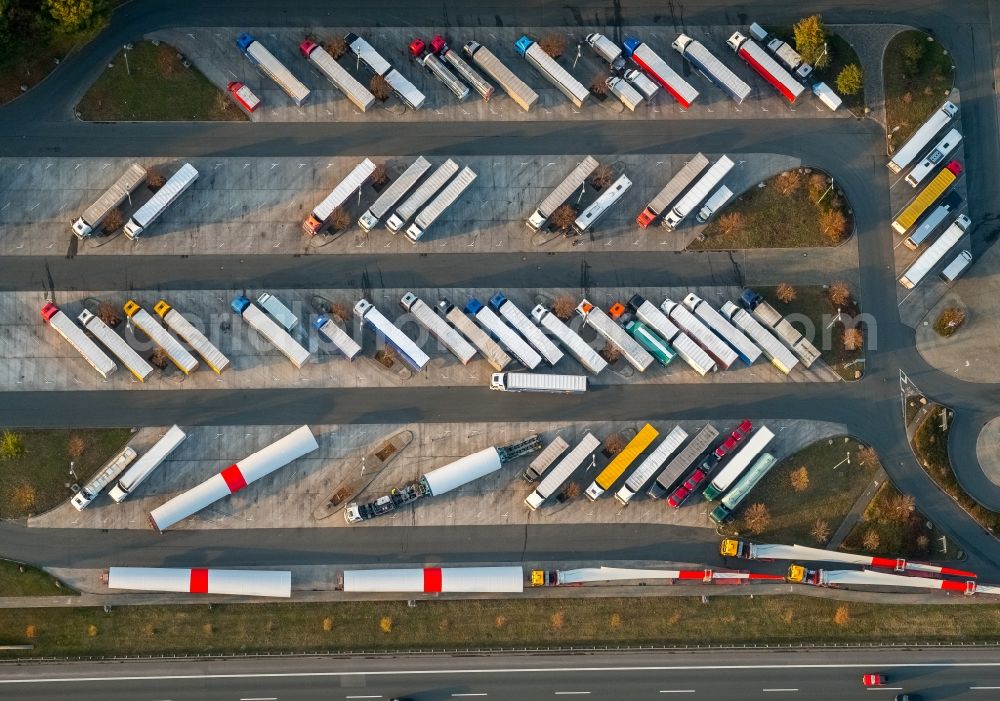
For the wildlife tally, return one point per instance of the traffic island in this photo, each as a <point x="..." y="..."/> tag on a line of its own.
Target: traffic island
<point x="918" y="75"/>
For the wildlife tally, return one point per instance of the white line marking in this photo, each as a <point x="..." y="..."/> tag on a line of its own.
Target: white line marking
<point x="571" y="693"/>
<point x="260" y="698"/>
<point x="983" y="688"/>
<point x="779" y="689"/>
<point x="364" y="697"/>
<point x="884" y="688"/>
<point x="481" y="693"/>
<point x="676" y="691"/>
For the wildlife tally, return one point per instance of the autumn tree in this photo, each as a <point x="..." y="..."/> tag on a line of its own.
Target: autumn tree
<point x="850" y="79"/>
<point x="757" y="518"/>
<point x="380" y="176"/>
<point x="867" y="456"/>
<point x="598" y="85"/>
<point x="159" y="358"/>
<point x="70" y="14"/>
<point x="76" y="447"/>
<point x="832" y="224"/>
<point x="553" y="44"/>
<point x="340" y="219"/>
<point x="949" y="320"/>
<point x="853" y="339"/>
<point x="611" y="353"/>
<point x="788" y="183"/>
<point x="564" y="216"/>
<point x="557" y="620"/>
<point x="871" y="540"/>
<point x="614" y="444"/>
<point x="817" y="186"/>
<point x="572" y="491"/>
<point x="841" y="617"/>
<point x="840" y="293"/>
<point x="820" y="531"/>
<point x="155" y="179"/>
<point x="923" y="542"/>
<point x="385" y="624"/>
<point x="380" y="87"/>
<point x="335" y="46"/>
<point x="786" y="293"/>
<point x="24" y="496"/>
<point x="602" y="176"/>
<point x="563" y="307"/>
<point x="810" y="41"/>
<point x="731" y="223"/>
<point x="902" y="506"/>
<point x="114" y="221"/>
<point x="108" y="313"/>
<point x="800" y="479"/>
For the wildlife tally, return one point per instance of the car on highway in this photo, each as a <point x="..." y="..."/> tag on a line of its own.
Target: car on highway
<point x="873" y="679"/>
<point x="726" y="446"/>
<point x="743" y="430"/>
<point x="680" y="494"/>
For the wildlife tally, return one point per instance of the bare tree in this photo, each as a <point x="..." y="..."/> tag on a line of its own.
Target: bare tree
<point x="553" y="44"/>
<point x="840" y="292"/>
<point x="380" y="176"/>
<point x="563" y="307"/>
<point x="820" y="531"/>
<point x="76" y="447"/>
<point x="614" y="444"/>
<point x="159" y="358"/>
<point x="867" y="456"/>
<point x="757" y="518"/>
<point x="341" y="310"/>
<point x="598" y="86"/>
<point x="611" y="353"/>
<point x="155" y="179"/>
<point x="923" y="542"/>
<point x="602" y="176"/>
<point x="572" y="491"/>
<point x="564" y="216"/>
<point x="731" y="223"/>
<point x="380" y="87"/>
<point x="871" y="540"/>
<point x="335" y="46"/>
<point x="340" y="219"/>
<point x="817" y="186"/>
<point x="108" y="313"/>
<point x="788" y="182"/>
<point x="800" y="479"/>
<point x="114" y="221"/>
<point x="786" y="293"/>
<point x="853" y="339"/>
<point x="902" y="506"/>
<point x="832" y="224"/>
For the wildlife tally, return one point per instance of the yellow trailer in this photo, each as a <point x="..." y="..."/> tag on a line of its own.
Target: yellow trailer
<point x="621" y="462"/>
<point x="928" y="196"/>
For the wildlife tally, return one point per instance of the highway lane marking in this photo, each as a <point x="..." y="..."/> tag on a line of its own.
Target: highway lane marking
<point x="884" y="688"/>
<point x="776" y="690"/>
<point x="571" y="693"/>
<point x="983" y="688"/>
<point x="260" y="698"/>
<point x="676" y="691"/>
<point x="503" y="670"/>
<point x="364" y="697"/>
<point x="481" y="693"/>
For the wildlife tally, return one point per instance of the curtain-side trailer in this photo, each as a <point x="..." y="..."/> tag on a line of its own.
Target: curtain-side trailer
<point x="742" y="488"/>
<point x="367" y="54"/>
<point x="552" y="71"/>
<point x="689" y="351"/>
<point x="723" y="355"/>
<point x="622" y="461"/>
<point x="737" y="340"/>
<point x="739" y="463"/>
<point x="769" y="69"/>
<point x="330" y="330"/>
<point x="711" y="67"/>
<point x="318" y="218"/>
<point x="491" y="350"/>
<point x="212" y="356"/>
<point x="604" y="325"/>
<point x="527" y="355"/>
<point x="694" y="450"/>
<point x="144" y="321"/>
<point x="84" y="225"/>
<point x="698" y="192"/>
<point x="158" y="203"/>
<point x="774" y="350"/>
<point x="546" y="459"/>
<point x="442" y="201"/>
<point x="935" y="252"/>
<point x="928" y="196"/>
<point x="656" y="68"/>
<point x="421" y="195"/>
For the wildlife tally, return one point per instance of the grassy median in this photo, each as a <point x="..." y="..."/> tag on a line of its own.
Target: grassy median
<point x="17" y="579"/>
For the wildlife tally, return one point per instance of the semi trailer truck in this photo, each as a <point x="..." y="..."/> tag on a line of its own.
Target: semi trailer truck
<point x="595" y="317"/>
<point x="557" y="475"/>
<point x="442" y="201"/>
<point x="177" y="353"/>
<point x="76" y="337"/>
<point x="392" y="194"/>
<point x="360" y="96"/>
<point x="537" y="382"/>
<point x="421" y="195"/>
<point x="571" y="340"/>
<point x="404" y="89"/>
<point x="105" y="476"/>
<point x="144" y="466"/>
<point x="269" y="329"/>
<point x="320" y="215"/>
<point x="158" y="203"/>
<point x="657" y="69"/>
<point x="176" y="322"/>
<point x="409" y="351"/>
<point x="769" y="69"/>
<point x="439" y="328"/>
<point x="491" y="350"/>
<point x="642" y="474"/>
<point x="562" y="192"/>
<point x="672" y="190"/>
<point x="527" y="355"/>
<point x="520" y="321"/>
<point x="516" y="88"/>
<point x="606" y="478"/>
<point x="914" y="146"/>
<point x="129" y="182"/>
<point x="698" y="192"/>
<point x="716" y="72"/>
<point x="274" y="69"/>
<point x="552" y="71"/>
<point x="135" y="363"/>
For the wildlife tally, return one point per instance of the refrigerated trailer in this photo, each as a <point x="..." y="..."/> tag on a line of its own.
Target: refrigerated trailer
<point x="105" y="476"/>
<point x="739" y="463"/>
<point x="562" y="192"/>
<point x="330" y="330"/>
<point x="516" y="88"/>
<point x="928" y="196"/>
<point x="442" y="201"/>
<point x="272" y="68"/>
<point x="672" y="190"/>
<point x="683" y="461"/>
<point x="536" y="382"/>
<point x="689" y="351"/>
<point x="409" y="351"/>
<point x="404" y="89"/>
<point x="527" y="355"/>
<point x="747" y="351"/>
<point x="318" y="218"/>
<point x="769" y="69"/>
<point x="605" y="326"/>
<point x="520" y="321"/>
<point x="913" y="147"/>
<point x="602" y="204"/>
<point x="711" y="67"/>
<point x="935" y="252"/>
<point x="469" y="74"/>
<point x="439" y="328"/>
<point x="158" y="203"/>
<point x="656" y="68"/>
<point x="269" y="329"/>
<point x="552" y="71"/>
<point x="557" y="475"/>
<point x="642" y="474"/>
<point x="85" y="224"/>
<point x="145" y="465"/>
<point x="723" y="355"/>
<point x="773" y="349"/>
<point x="622" y="461"/>
<point x="212" y="356"/>
<point x="937" y="155"/>
<point x="391" y="196"/>
<point x="75" y="336"/>
<point x="698" y="192"/>
<point x="144" y="321"/>
<point x="136" y="364"/>
<point x="491" y="350"/>
<point x="578" y="348"/>
<point x="421" y="195"/>
<point x="346" y="83"/>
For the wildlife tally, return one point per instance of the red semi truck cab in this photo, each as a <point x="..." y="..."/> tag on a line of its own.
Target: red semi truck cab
<point x="243" y="96"/>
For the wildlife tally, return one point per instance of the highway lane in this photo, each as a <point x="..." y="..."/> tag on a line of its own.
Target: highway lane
<point x="823" y="675"/>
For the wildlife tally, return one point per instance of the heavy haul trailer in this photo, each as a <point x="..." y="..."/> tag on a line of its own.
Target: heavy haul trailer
<point x="683" y="461"/>
<point x="656" y="68"/>
<point x="422" y="54"/>
<point x="421" y="195"/>
<point x="562" y="192"/>
<point x="76" y="337"/>
<point x="144" y="321"/>
<point x="747" y="351"/>
<point x="346" y="83"/>
<point x="269" y="329"/>
<point x="769" y="69"/>
<point x="642" y="474"/>
<point x="320" y="216"/>
<point x="622" y="461"/>
<point x="557" y="475"/>
<point x="739" y="463"/>
<point x="520" y="321"/>
<point x="437" y="580"/>
<point x="442" y="201"/>
<point x="395" y="192"/>
<point x="158" y="203"/>
<point x="711" y="67"/>
<point x="404" y="89"/>
<point x="469" y="74"/>
<point x="536" y="382"/>
<point x="516" y="88"/>
<point x="928" y="196"/>
<point x="935" y="252"/>
<point x="698" y="192"/>
<point x="571" y="340"/>
<point x="605" y="326"/>
<point x="672" y="190"/>
<point x="552" y="71"/>
<point x="689" y="351"/>
<point x="409" y="351"/>
<point x="774" y="350"/>
<point x="527" y="355"/>
<point x="212" y="356"/>
<point x="272" y="68"/>
<point x="84" y="225"/>
<point x="178" y="580"/>
<point x="144" y="466"/>
<point x="438" y="327"/>
<point x="330" y="330"/>
<point x="914" y="146"/>
<point x="135" y="363"/>
<point x="491" y="350"/>
<point x="723" y="355"/>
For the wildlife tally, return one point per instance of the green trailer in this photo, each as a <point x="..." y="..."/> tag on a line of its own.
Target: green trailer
<point x="652" y="342"/>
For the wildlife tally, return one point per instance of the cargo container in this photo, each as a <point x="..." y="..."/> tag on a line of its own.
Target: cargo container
<point x="516" y="88"/>
<point x="684" y="460"/>
<point x="145" y="465"/>
<point x="827" y="96"/>
<point x="392" y="194"/>
<point x="602" y="204"/>
<point x="243" y="96"/>
<point x="769" y="69"/>
<point x="930" y="223"/>
<point x="85" y="224"/>
<point x="606" y="327"/>
<point x="957" y="266"/>
<point x="266" y="327"/>
<point x="915" y="145"/>
<point x="935" y="158"/>
<point x="935" y="252"/>
<point x="272" y="68"/>
<point x="490" y="349"/>
<point x="442" y="201"/>
<point x="689" y="351"/>
<point x="419" y="51"/>
<point x="158" y="203"/>
<point x="711" y="67"/>
<point x="698" y="192"/>
<point x="629" y="96"/>
<point x="346" y="83"/>
<point x="546" y="459"/>
<point x="672" y="190"/>
<point x="330" y="330"/>
<point x="606" y="49"/>
<point x="411" y="354"/>
<point x="642" y="474"/>
<point x="275" y="584"/>
<point x="557" y="475"/>
<point x="658" y="70"/>
<point x="552" y="71"/>
<point x="535" y="382"/>
<point x="437" y="580"/>
<point x="622" y="461"/>
<point x="404" y="89"/>
<point x="928" y="196"/>
<point x="723" y="355"/>
<point x="714" y="203"/>
<point x="144" y="321"/>
<point x="212" y="356"/>
<point x="747" y="351"/>
<point x="439" y="328"/>
<point x="464" y="70"/>
<point x="320" y="216"/>
<point x="278" y="311"/>
<point x="742" y="489"/>
<point x="421" y="195"/>
<point x="135" y="363"/>
<point x="105" y="476"/>
<point x="527" y="355"/>
<point x="739" y="463"/>
<point x="780" y="356"/>
<point x="648" y="339"/>
<point x="562" y="192"/>
<point x="578" y="348"/>
<point x="520" y="321"/>
<point x="76" y="337"/>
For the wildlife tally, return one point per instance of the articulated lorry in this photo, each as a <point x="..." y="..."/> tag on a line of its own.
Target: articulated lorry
<point x="105" y="476"/>
<point x="552" y="71"/>
<point x="602" y="204"/>
<point x="930" y="223"/>
<point x="87" y="223"/>
<point x="329" y="329"/>
<point x="469" y="74"/>
<point x="773" y="321"/>
<point x="740" y="491"/>
<point x="683" y="461"/>
<point x="769" y="69"/>
<point x="442" y="201"/>
<point x="409" y="351"/>
<point x="714" y="203"/>
<point x="578" y="348"/>
<point x="689" y="351"/>
<point x="595" y="317"/>
<point x="346" y="83"/>
<point x="914" y="146"/>
<point x="739" y="463"/>
<point x="672" y="190"/>
<point x="562" y="192"/>
<point x="509" y="338"/>
<point x="158" y="203"/>
<point x="391" y="195"/>
<point x="747" y="351"/>
<point x="429" y="60"/>
<point x="546" y="459"/>
<point x="76" y="337"/>
<point x="935" y="252"/>
<point x="622" y="461"/>
<point x="642" y="474"/>
<point x="278" y="311"/>
<point x="520" y="321"/>
<point x="557" y="475"/>
<point x="320" y="216"/>
<point x="651" y="341"/>
<point x="269" y="329"/>
<point x="136" y="364"/>
<point x="780" y="356"/>
<point x="177" y="353"/>
<point x="516" y="88"/>
<point x="536" y="382"/>
<point x="212" y="356"/>
<point x="656" y="68"/>
<point x="272" y="68"/>
<point x="928" y="196"/>
<point x="439" y="328"/>
<point x="698" y="192"/>
<point x="145" y="465"/>
<point x="711" y="67"/>
<point x="642" y="83"/>
<point x="421" y="195"/>
<point x="491" y="350"/>
<point x="404" y="89"/>
<point x="723" y="355"/>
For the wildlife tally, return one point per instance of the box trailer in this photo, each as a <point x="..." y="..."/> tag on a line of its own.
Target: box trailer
<point x="769" y="69"/>
<point x="698" y="192"/>
<point x="346" y="83"/>
<point x="520" y="321"/>
<point x="601" y="205"/>
<point x="622" y="461"/>
<point x="629" y="96"/>
<point x="546" y="459"/>
<point x="672" y="190"/>
<point x="129" y="182"/>
<point x="158" y="203"/>
<point x="714" y="203"/>
<point x="144" y="466"/>
<point x="657" y="69"/>
<point x="557" y="475"/>
<point x="606" y="49"/>
<point x="552" y="71"/>
<point x="562" y="192"/>
<point x="595" y="317"/>
<point x="438" y="327"/>
<point x="491" y="350"/>
<point x="683" y="461"/>
<point x="135" y="363"/>
<point x="935" y="158"/>
<point x="320" y="216"/>
<point x="404" y="89"/>
<point x="278" y="311"/>
<point x="739" y="463"/>
<point x="747" y="351"/>
<point x="928" y="196"/>
<point x="272" y="68"/>
<point x="469" y="74"/>
<point x="914" y="146"/>
<point x="527" y="355"/>
<point x="723" y="355"/>
<point x="689" y="351"/>
<point x="930" y="223"/>
<point x="76" y="337"/>
<point x="392" y="194"/>
<point x="331" y="331"/>
<point x="935" y="252"/>
<point x="641" y="83"/>
<point x="442" y="201"/>
<point x="409" y="351"/>
<point x="212" y="356"/>
<point x="534" y="382"/>
<point x="957" y="266"/>
<point x="711" y="67"/>
<point x="421" y="195"/>
<point x="780" y="356"/>
<point x="144" y="321"/>
<point x="589" y="358"/>
<point x="105" y="476"/>
<point x="516" y="88"/>
<point x="269" y="329"/>
<point x="642" y="474"/>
